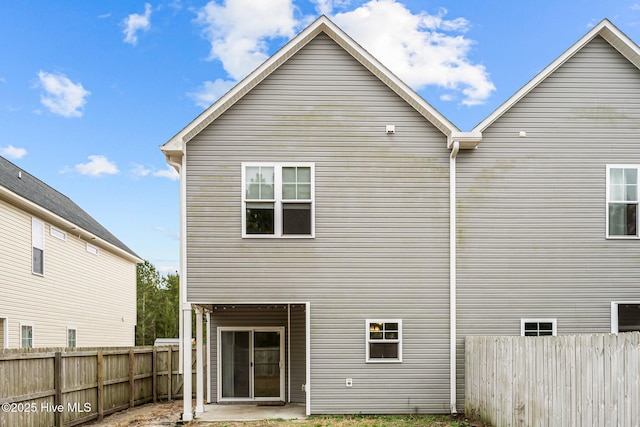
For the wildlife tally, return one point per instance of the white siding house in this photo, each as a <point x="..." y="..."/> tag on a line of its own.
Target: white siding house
<point x="66" y="280"/>
<point x="342" y="236"/>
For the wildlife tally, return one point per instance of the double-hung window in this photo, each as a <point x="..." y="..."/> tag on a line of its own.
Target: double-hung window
<point x="26" y="335"/>
<point x="37" y="246"/>
<point x="384" y="340"/>
<point x="72" y="337"/>
<point x="622" y="201"/>
<point x="625" y="316"/>
<point x="278" y="200"/>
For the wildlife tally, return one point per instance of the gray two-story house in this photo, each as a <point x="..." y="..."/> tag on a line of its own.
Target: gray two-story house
<point x="342" y="236"/>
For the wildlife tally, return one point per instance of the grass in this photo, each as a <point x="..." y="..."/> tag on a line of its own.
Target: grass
<point x="357" y="421"/>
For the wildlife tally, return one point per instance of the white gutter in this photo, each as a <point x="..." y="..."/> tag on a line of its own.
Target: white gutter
<point x="455" y="147"/>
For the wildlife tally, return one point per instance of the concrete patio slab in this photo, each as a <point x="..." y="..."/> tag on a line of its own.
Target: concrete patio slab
<point x="253" y="412"/>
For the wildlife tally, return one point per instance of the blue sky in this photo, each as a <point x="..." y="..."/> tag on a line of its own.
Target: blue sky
<point x="90" y="89"/>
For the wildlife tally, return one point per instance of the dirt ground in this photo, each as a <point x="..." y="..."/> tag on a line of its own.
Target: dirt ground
<point x="151" y="415"/>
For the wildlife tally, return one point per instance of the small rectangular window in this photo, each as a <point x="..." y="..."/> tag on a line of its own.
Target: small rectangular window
<point x="625" y="316"/>
<point x="537" y="327"/>
<point x="72" y="334"/>
<point x="37" y="244"/>
<point x="58" y="234"/>
<point x="92" y="249"/>
<point x="26" y="335"/>
<point x="622" y="201"/>
<point x="384" y="340"/>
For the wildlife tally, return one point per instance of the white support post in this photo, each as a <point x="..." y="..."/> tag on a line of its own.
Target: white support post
<point x="199" y="363"/>
<point x="187" y="410"/>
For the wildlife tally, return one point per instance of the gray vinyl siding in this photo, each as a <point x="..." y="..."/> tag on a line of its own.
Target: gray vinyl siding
<point x="381" y="246"/>
<point x="532" y="211"/>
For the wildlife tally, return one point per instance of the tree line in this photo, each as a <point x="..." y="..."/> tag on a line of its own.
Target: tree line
<point x="158" y="300"/>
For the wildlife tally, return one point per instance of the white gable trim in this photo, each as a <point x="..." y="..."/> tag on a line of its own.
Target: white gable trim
<point x="322" y="25"/>
<point x="604" y="29"/>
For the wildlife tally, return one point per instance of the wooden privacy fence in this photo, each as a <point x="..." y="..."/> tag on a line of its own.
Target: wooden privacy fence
<point x="581" y="380"/>
<point x="66" y="387"/>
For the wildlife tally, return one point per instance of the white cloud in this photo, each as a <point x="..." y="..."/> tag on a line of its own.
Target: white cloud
<point x="210" y="91"/>
<point x="139" y="171"/>
<point x="419" y="48"/>
<point x="12" y="152"/>
<point x="98" y="165"/>
<point x="169" y="173"/>
<point x="136" y="22"/>
<point x="326" y="7"/>
<point x="422" y="49"/>
<point x="239" y="31"/>
<point x="62" y="96"/>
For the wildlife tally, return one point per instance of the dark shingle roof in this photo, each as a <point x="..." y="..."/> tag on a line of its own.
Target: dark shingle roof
<point x="31" y="188"/>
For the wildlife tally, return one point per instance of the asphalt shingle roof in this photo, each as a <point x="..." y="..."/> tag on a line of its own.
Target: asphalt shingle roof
<point x="31" y="188"/>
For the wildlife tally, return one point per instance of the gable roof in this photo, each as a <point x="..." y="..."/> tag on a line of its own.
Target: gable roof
<point x="175" y="146"/>
<point x="604" y="29"/>
<point x="31" y="194"/>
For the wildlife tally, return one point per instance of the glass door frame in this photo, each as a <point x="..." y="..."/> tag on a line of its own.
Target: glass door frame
<point x="251" y="330"/>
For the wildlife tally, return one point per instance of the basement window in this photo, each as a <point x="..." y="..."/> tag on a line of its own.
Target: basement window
<point x="538" y="327"/>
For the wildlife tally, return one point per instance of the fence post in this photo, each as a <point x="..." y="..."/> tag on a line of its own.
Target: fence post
<point x="169" y="373"/>
<point x="131" y="380"/>
<point x="57" y="381"/>
<point x="154" y="373"/>
<point x="100" y="386"/>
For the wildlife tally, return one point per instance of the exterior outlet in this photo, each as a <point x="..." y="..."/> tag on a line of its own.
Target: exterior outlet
<point x="348" y="382"/>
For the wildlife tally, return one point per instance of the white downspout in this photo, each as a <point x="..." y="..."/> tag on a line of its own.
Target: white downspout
<point x="455" y="147"/>
<point x="185" y="308"/>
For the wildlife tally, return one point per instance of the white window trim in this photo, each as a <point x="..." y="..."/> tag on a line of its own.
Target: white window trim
<point x="399" y="340"/>
<point x="277" y="217"/>
<point x="5" y="332"/>
<point x="34" y="243"/>
<point x="554" y="324"/>
<point x="614" y="313"/>
<point x="57" y="233"/>
<point x="92" y="249"/>
<point x="33" y="334"/>
<point x="72" y="328"/>
<point x="621" y="166"/>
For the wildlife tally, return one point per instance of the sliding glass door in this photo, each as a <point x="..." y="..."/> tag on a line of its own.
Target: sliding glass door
<point x="251" y="363"/>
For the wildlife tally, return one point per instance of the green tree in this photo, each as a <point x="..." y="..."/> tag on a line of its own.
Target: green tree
<point x="157" y="304"/>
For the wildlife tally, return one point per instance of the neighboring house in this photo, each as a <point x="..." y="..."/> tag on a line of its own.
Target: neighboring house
<point x="342" y="236"/>
<point x="66" y="280"/>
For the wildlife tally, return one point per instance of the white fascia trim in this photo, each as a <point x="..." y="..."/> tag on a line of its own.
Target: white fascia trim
<point x="465" y="140"/>
<point x="51" y="217"/>
<point x="322" y="24"/>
